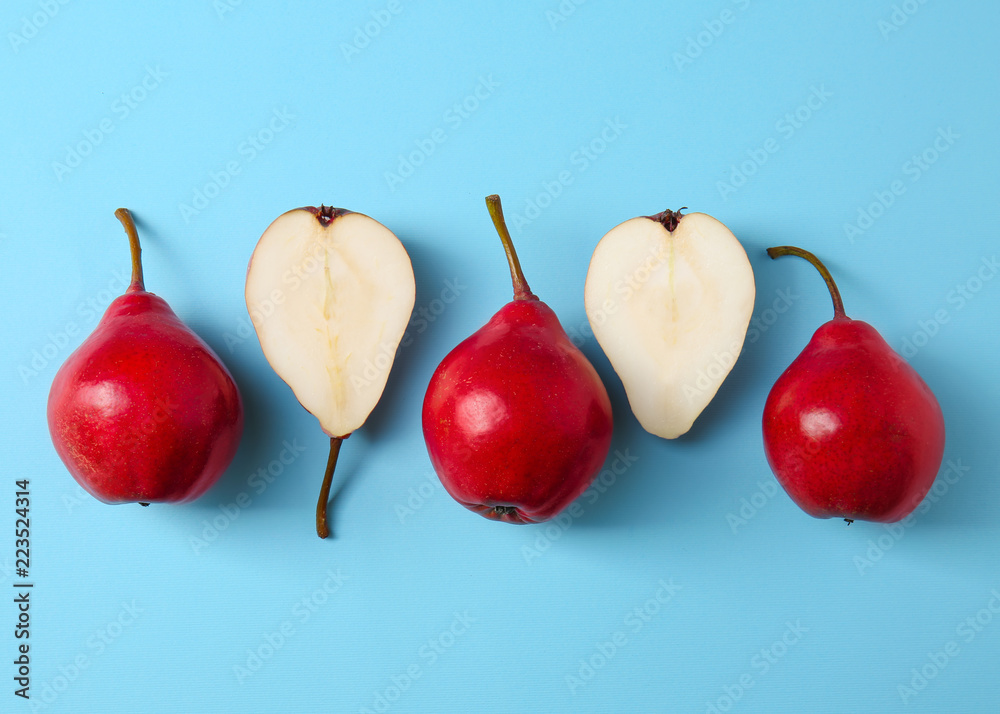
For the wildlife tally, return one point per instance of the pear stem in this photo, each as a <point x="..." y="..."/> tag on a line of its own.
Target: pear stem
<point x="123" y="215"/>
<point x="838" y="302"/>
<point x="322" y="530"/>
<point x="669" y="219"/>
<point x="521" y="289"/>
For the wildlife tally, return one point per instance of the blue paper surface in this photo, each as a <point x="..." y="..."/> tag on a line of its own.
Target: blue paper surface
<point x="685" y="580"/>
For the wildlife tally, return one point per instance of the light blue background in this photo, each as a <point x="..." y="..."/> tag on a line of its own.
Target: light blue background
<point x="670" y="516"/>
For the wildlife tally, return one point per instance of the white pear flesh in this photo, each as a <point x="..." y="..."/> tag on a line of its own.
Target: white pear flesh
<point x="670" y="309"/>
<point x="330" y="304"/>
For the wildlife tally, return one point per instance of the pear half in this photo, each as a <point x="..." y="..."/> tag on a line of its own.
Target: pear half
<point x="669" y="298"/>
<point x="330" y="294"/>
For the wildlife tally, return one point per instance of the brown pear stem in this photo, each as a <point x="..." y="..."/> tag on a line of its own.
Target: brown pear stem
<point x="669" y="219"/>
<point x="123" y="215"/>
<point x="322" y="530"/>
<point x="521" y="289"/>
<point x="838" y="303"/>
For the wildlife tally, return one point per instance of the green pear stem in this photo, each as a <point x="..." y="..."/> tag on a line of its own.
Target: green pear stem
<point x="322" y="530"/>
<point x="521" y="289"/>
<point x="838" y="303"/>
<point x="123" y="215"/>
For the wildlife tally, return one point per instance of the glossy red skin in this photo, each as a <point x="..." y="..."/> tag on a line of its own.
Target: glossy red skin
<point x="144" y="411"/>
<point x="851" y="430"/>
<point x="516" y="416"/>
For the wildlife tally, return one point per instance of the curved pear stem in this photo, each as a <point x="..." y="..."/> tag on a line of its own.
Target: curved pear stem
<point x="521" y="289"/>
<point x="123" y="215"/>
<point x="838" y="303"/>
<point x="669" y="219"/>
<point x="322" y="530"/>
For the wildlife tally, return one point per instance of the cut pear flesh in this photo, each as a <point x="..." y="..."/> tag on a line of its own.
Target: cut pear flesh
<point x="669" y="298"/>
<point x="330" y="294"/>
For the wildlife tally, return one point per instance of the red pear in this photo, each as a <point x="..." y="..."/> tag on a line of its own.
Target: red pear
<point x="850" y="429"/>
<point x="517" y="421"/>
<point x="144" y="411"/>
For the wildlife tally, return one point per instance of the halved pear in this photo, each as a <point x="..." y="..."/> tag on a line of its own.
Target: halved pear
<point x="669" y="298"/>
<point x="330" y="294"/>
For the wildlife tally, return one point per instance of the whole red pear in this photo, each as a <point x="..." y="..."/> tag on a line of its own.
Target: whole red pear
<point x="850" y="429"/>
<point x="144" y="411"/>
<point x="517" y="421"/>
